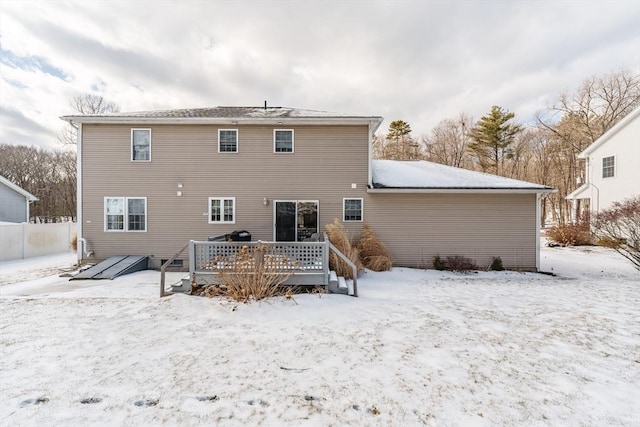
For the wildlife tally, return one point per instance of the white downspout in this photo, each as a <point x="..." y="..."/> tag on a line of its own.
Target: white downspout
<point x="370" y="157"/>
<point x="539" y="198"/>
<point x="81" y="248"/>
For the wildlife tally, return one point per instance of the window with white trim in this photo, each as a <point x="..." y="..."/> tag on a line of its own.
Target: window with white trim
<point x="222" y="210"/>
<point x="141" y="145"/>
<point x="608" y="166"/>
<point x="352" y="209"/>
<point x="283" y="140"/>
<point x="227" y="140"/>
<point x="125" y="214"/>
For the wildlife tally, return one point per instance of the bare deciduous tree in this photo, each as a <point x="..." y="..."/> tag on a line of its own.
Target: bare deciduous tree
<point x="49" y="175"/>
<point x="449" y="141"/>
<point x="87" y="104"/>
<point x="576" y="120"/>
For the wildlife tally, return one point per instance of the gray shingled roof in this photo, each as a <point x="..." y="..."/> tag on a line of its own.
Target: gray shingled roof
<point x="231" y="112"/>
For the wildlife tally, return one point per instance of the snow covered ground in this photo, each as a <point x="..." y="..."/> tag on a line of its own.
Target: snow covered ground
<point x="416" y="348"/>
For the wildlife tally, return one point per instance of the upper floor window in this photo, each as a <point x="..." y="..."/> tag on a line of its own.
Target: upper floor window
<point x="352" y="209"/>
<point x="283" y="140"/>
<point x="141" y="145"/>
<point x="608" y="166"/>
<point x="222" y="210"/>
<point x="227" y="140"/>
<point x="125" y="213"/>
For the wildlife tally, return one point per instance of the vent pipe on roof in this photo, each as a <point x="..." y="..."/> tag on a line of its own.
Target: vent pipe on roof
<point x="265" y="105"/>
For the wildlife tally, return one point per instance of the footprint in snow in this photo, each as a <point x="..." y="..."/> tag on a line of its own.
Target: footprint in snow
<point x="90" y="400"/>
<point x="260" y="402"/>
<point x="146" y="402"/>
<point x="207" y="398"/>
<point x="34" y="401"/>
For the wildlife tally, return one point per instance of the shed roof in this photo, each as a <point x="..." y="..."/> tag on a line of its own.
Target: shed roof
<point x="423" y="175"/>
<point x="18" y="189"/>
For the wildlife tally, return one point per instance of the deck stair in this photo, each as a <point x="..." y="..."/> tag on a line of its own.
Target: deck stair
<point x="338" y="284"/>
<point x="113" y="267"/>
<point x="308" y="262"/>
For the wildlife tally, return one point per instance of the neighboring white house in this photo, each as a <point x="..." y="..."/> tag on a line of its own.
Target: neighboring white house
<point x="612" y="172"/>
<point x="14" y="202"/>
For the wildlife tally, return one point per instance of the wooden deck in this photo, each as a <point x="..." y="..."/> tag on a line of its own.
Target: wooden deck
<point x="302" y="263"/>
<point x="306" y="262"/>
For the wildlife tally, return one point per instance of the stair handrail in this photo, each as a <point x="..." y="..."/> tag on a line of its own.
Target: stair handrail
<point x="165" y="265"/>
<point x="343" y="257"/>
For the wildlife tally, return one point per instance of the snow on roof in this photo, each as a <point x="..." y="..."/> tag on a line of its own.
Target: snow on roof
<point x="228" y="113"/>
<point x="428" y="175"/>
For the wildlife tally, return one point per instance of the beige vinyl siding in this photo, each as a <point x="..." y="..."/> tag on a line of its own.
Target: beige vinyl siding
<point x="416" y="227"/>
<point x="327" y="160"/>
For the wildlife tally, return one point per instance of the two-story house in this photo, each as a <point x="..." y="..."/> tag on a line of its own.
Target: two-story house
<point x="611" y="167"/>
<point x="151" y="181"/>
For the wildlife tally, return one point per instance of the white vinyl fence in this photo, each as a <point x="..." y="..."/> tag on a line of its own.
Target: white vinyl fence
<point x="18" y="241"/>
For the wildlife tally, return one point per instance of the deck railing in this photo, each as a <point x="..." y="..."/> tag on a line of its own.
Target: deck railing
<point x="308" y="260"/>
<point x="305" y="258"/>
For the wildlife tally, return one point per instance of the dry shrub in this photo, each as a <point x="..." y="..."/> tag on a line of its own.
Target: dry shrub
<point x="338" y="237"/>
<point x="572" y="234"/>
<point x="74" y="242"/>
<point x="374" y="254"/>
<point x="254" y="273"/>
<point x="618" y="227"/>
<point x="460" y="264"/>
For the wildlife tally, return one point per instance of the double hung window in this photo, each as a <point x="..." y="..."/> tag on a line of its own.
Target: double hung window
<point x="352" y="210"/>
<point x="283" y="140"/>
<point x="141" y="145"/>
<point x="125" y="214"/>
<point x="608" y="166"/>
<point x="222" y="210"/>
<point x="228" y="140"/>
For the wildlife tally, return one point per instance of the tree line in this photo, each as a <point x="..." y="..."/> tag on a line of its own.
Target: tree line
<point x="50" y="174"/>
<point x="544" y="153"/>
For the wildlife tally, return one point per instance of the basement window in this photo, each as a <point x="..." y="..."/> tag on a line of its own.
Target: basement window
<point x="176" y="263"/>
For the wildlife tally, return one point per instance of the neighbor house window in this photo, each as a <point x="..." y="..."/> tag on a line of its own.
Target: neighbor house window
<point x="222" y="210"/>
<point x="283" y="140"/>
<point x="141" y="145"/>
<point x="125" y="214"/>
<point x="608" y="166"/>
<point x="352" y="209"/>
<point x="228" y="140"/>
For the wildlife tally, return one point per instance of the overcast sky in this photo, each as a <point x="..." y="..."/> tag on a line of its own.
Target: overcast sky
<point x="420" y="61"/>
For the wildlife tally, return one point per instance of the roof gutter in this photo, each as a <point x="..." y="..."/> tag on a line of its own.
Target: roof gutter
<point x="462" y="190"/>
<point x="376" y="121"/>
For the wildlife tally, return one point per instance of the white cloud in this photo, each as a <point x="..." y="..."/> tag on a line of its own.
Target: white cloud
<point x="419" y="61"/>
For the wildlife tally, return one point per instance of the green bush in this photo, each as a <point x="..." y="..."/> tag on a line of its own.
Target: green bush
<point x="496" y="264"/>
<point x="438" y="263"/>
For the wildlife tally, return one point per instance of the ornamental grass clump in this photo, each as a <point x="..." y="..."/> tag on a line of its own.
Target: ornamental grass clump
<point x="338" y="238"/>
<point x="373" y="253"/>
<point x="254" y="273"/>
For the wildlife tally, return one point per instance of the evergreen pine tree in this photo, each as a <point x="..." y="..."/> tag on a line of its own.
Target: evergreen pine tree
<point x="492" y="135"/>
